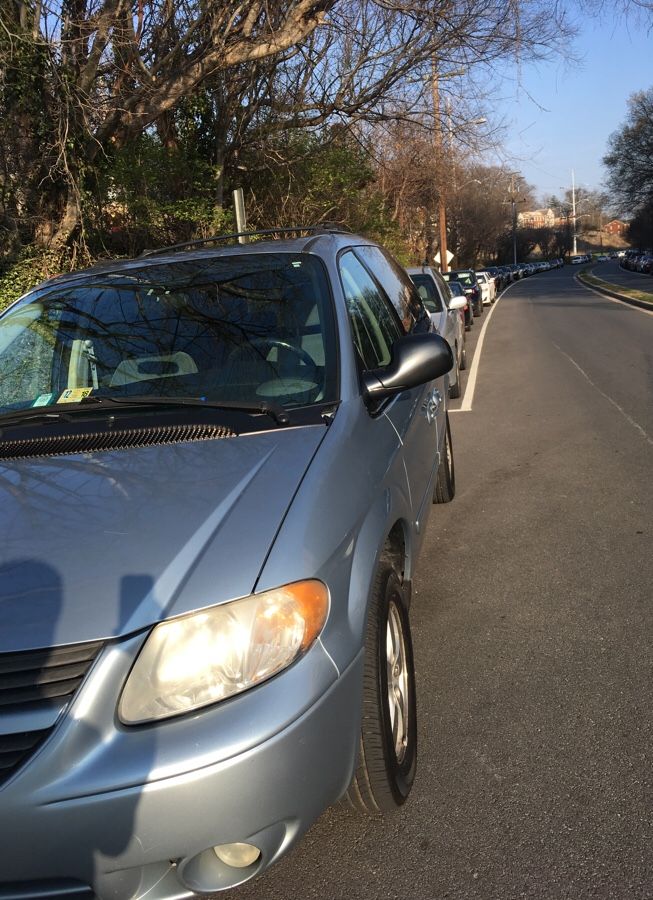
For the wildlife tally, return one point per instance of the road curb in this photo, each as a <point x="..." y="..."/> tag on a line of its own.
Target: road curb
<point x="631" y="301"/>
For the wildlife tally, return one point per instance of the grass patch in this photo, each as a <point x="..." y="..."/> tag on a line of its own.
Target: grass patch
<point x="633" y="293"/>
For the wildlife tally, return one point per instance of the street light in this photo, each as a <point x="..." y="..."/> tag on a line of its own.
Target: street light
<point x="573" y="209"/>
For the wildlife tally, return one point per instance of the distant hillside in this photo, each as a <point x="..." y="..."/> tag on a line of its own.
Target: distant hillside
<point x="596" y="241"/>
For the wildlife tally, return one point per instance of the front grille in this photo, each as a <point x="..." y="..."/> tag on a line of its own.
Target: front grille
<point x="32" y="681"/>
<point x="118" y="439"/>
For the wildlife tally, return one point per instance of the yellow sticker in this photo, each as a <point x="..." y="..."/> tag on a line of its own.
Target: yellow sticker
<point x="74" y="395"/>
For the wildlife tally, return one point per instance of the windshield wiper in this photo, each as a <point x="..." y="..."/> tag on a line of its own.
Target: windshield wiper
<point x="265" y="407"/>
<point x="28" y="416"/>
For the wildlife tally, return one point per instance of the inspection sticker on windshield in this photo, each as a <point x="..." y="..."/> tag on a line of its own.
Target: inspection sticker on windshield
<point x="74" y="395"/>
<point x="43" y="400"/>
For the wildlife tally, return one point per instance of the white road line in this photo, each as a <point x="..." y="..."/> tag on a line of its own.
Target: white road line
<point x="622" y="303"/>
<point x="628" y="418"/>
<point x="466" y="405"/>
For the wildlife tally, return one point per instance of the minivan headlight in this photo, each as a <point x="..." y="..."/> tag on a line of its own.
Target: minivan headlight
<point x="205" y="657"/>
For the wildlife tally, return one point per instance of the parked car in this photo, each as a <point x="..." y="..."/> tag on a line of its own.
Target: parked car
<point x="496" y="275"/>
<point x="506" y="274"/>
<point x="488" y="289"/>
<point x="467" y="314"/>
<point x="471" y="287"/>
<point x="217" y="463"/>
<point x="444" y="310"/>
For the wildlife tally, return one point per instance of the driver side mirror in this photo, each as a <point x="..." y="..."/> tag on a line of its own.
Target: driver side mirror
<point x="416" y="359"/>
<point x="457" y="303"/>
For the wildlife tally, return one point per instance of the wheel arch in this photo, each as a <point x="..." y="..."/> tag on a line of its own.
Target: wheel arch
<point x="384" y="539"/>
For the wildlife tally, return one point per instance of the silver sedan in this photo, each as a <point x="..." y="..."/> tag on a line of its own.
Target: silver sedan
<point x="445" y="315"/>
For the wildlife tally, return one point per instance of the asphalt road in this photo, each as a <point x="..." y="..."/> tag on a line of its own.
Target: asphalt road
<point x="611" y="271"/>
<point x="533" y="629"/>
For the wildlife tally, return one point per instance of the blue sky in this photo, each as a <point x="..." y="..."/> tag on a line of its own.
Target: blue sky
<point x="582" y="105"/>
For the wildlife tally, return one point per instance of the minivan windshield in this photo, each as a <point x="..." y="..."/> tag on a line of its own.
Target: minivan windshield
<point x="242" y="328"/>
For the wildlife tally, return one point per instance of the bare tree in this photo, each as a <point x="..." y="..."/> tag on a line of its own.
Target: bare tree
<point x="80" y="78"/>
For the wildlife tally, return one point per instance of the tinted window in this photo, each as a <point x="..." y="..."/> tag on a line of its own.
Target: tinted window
<point x="374" y="325"/>
<point x="428" y="292"/>
<point x="398" y="286"/>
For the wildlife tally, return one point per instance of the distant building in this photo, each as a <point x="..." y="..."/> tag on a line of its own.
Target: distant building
<point x="536" y="218"/>
<point x="616" y="226"/>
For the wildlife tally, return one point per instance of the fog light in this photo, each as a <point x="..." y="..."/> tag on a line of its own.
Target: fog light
<point x="238" y="855"/>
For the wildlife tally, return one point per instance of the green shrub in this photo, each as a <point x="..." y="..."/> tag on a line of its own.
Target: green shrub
<point x="29" y="269"/>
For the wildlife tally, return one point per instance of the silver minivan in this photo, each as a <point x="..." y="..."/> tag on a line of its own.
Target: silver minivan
<point x="217" y="463"/>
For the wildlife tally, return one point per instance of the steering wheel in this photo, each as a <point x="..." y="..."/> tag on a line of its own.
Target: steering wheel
<point x="271" y="342"/>
<point x="293" y="384"/>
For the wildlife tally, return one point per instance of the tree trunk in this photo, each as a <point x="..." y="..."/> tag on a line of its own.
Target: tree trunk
<point x="69" y="222"/>
<point x="60" y="217"/>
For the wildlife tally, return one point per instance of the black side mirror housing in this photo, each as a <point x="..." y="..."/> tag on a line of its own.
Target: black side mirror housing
<point x="416" y="359"/>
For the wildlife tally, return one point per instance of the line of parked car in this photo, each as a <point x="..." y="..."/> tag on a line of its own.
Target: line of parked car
<point x="456" y="297"/>
<point x="638" y="261"/>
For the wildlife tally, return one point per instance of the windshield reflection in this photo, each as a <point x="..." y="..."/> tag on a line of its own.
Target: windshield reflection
<point x="248" y="328"/>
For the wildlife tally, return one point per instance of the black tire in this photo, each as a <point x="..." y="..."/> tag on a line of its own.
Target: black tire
<point x="454" y="389"/>
<point x="384" y="776"/>
<point x="445" y="484"/>
<point x="463" y="356"/>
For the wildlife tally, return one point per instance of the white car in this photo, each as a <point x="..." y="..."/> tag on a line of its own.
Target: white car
<point x="488" y="287"/>
<point x="445" y="315"/>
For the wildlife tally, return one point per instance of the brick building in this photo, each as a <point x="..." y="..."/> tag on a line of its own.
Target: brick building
<point x="616" y="226"/>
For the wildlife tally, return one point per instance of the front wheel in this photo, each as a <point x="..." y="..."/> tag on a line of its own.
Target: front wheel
<point x="445" y="484"/>
<point x="387" y="757"/>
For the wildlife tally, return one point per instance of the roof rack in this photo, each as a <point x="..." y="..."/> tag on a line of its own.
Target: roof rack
<point x="322" y="228"/>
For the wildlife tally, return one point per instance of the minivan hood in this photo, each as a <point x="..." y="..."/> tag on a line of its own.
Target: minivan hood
<point x="94" y="546"/>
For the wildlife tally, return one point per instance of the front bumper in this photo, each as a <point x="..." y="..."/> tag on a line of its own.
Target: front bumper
<point x="133" y="811"/>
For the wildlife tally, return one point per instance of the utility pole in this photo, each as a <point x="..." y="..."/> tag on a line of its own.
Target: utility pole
<point x="438" y="161"/>
<point x="573" y="209"/>
<point x="512" y="191"/>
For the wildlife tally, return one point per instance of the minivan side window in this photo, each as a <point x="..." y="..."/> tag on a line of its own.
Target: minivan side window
<point x="374" y="324"/>
<point x="398" y="286"/>
<point x="428" y="291"/>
